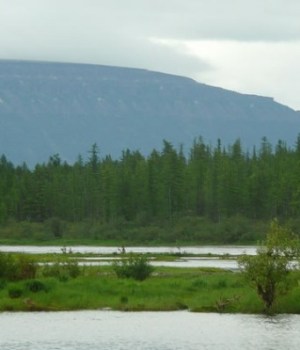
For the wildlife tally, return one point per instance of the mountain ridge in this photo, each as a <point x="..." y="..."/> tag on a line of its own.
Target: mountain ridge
<point x="52" y="107"/>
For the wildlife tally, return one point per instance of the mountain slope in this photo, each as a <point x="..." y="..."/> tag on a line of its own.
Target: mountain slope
<point x="48" y="108"/>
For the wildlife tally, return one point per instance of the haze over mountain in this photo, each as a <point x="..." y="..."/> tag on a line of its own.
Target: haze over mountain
<point x="48" y="108"/>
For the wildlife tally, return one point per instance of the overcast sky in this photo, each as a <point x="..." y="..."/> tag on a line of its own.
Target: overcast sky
<point x="251" y="46"/>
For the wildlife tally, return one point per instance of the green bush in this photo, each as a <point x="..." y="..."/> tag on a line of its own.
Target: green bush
<point x="221" y="284"/>
<point x="27" y="267"/>
<point x="56" y="227"/>
<point x="268" y="270"/>
<point x="124" y="300"/>
<point x="36" y="286"/>
<point x="8" y="267"/>
<point x="199" y="283"/>
<point x="62" y="270"/>
<point x="2" y="284"/>
<point x="15" y="292"/>
<point x="136" y="267"/>
<point x="16" y="267"/>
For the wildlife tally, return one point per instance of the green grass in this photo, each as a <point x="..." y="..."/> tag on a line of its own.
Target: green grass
<point x="199" y="290"/>
<point x="61" y="242"/>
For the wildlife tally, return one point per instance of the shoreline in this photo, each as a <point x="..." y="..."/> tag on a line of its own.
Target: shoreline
<point x="168" y="289"/>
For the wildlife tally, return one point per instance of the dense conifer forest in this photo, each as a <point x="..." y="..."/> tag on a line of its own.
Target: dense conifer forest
<point x="212" y="193"/>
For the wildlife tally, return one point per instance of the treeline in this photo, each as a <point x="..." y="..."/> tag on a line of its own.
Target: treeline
<point x="211" y="183"/>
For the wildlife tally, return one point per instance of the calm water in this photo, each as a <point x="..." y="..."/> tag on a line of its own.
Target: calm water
<point x="108" y="330"/>
<point x="215" y="250"/>
<point x="182" y="262"/>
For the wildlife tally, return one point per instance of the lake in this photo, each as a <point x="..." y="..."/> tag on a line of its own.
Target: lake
<point x="199" y="250"/>
<point x="180" y="330"/>
<point x="181" y="261"/>
<point x="225" y="264"/>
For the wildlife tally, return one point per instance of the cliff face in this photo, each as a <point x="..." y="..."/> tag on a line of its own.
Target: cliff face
<point x="48" y="108"/>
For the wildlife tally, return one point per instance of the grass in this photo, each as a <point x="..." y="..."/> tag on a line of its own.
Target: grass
<point x="62" y="242"/>
<point x="96" y="242"/>
<point x="198" y="290"/>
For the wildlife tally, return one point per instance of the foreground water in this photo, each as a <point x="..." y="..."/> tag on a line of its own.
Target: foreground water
<point x="110" y="330"/>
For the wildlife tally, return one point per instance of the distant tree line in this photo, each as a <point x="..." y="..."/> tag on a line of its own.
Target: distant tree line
<point x="211" y="182"/>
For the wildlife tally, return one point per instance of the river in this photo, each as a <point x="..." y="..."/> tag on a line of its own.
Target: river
<point x="224" y="264"/>
<point x="182" y="261"/>
<point x="180" y="330"/>
<point x="199" y="250"/>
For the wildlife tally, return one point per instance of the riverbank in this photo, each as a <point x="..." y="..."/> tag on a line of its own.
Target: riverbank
<point x="185" y="230"/>
<point x="114" y="243"/>
<point x="197" y="290"/>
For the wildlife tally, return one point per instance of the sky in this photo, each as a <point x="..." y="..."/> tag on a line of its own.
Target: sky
<point x="249" y="46"/>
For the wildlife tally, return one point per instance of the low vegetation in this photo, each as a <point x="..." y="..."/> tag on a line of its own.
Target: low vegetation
<point x="196" y="290"/>
<point x="268" y="282"/>
<point x="133" y="266"/>
<point x="98" y="287"/>
<point x="17" y="267"/>
<point x="184" y="230"/>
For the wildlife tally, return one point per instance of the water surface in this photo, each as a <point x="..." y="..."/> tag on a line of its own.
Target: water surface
<point x="225" y="264"/>
<point x="109" y="330"/>
<point x="199" y="250"/>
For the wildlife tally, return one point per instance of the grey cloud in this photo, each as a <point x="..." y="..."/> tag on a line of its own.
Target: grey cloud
<point x="92" y="32"/>
<point x="144" y="54"/>
<point x="269" y="20"/>
<point x="117" y="32"/>
<point x="264" y="20"/>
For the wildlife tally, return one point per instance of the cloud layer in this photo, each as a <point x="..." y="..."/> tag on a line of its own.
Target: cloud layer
<point x="166" y="36"/>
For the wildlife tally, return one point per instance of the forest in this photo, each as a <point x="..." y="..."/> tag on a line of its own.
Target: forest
<point x="210" y="193"/>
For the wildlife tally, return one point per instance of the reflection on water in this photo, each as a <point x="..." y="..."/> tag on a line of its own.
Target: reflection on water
<point x="108" y="330"/>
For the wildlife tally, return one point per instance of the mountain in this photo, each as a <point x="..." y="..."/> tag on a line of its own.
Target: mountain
<point x="48" y="108"/>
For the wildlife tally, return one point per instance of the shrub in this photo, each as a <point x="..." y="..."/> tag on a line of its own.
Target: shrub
<point x="15" y="292"/>
<point x="16" y="267"/>
<point x="62" y="270"/>
<point x="27" y="267"/>
<point x="268" y="270"/>
<point x="221" y="284"/>
<point x="136" y="267"/>
<point x="56" y="227"/>
<point x="36" y="286"/>
<point x="2" y="284"/>
<point x="55" y="270"/>
<point x="8" y="267"/>
<point x="123" y="300"/>
<point x="199" y="283"/>
<point x="72" y="268"/>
